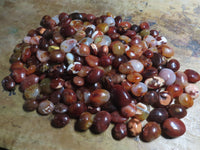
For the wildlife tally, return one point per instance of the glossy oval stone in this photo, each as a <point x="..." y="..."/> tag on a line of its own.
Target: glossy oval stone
<point x="30" y="105"/>
<point x="175" y="90"/>
<point x="158" y="60"/>
<point x="76" y="109"/>
<point x="57" y="56"/>
<point x="110" y="21"/>
<point x="47" y="22"/>
<point x="28" y="81"/>
<point x="95" y="75"/>
<point x="173" y="127"/>
<point x="45" y="107"/>
<point x="67" y="30"/>
<point x="118" y="48"/>
<point x="158" y="115"/>
<point x="19" y="75"/>
<point x="78" y="81"/>
<point x="137" y="65"/>
<point x="134" y="77"/>
<point x="76" y="15"/>
<point x="166" y="51"/>
<point x="99" y="97"/>
<point x="32" y="92"/>
<point x="144" y="25"/>
<point x="8" y="83"/>
<point x="130" y="33"/>
<point x="17" y="65"/>
<point x="173" y="64"/>
<point x="57" y="38"/>
<point x="139" y="89"/>
<point x="69" y="96"/>
<point x="85" y="121"/>
<point x="105" y="61"/>
<point x="118" y="20"/>
<point x="119" y="96"/>
<point x="119" y="60"/>
<point x="101" y="122"/>
<point x="55" y="96"/>
<point x="150" y="98"/>
<point x="181" y="79"/>
<point x="43" y="56"/>
<point x="103" y="27"/>
<point x="60" y="120"/>
<point x="150" y="131"/>
<point x="119" y="131"/>
<point x="168" y="75"/>
<point x="82" y="50"/>
<point x="67" y="45"/>
<point x="63" y="16"/>
<point x="177" y="110"/>
<point x="192" y="75"/>
<point x="92" y="60"/>
<point x="144" y="33"/>
<point x="186" y="100"/>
